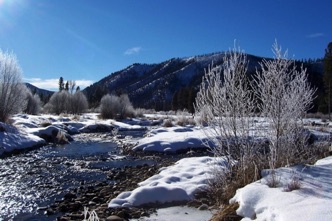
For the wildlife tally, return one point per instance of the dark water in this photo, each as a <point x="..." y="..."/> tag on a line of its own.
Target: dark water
<point x="37" y="178"/>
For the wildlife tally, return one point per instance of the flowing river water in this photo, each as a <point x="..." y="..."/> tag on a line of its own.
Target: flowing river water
<point x="35" y="179"/>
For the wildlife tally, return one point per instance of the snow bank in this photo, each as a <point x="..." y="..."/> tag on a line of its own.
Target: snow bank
<point x="12" y="139"/>
<point x="175" y="183"/>
<point x="172" y="139"/>
<point x="311" y="202"/>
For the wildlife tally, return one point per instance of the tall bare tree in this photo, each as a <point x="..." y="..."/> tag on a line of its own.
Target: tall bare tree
<point x="284" y="96"/>
<point x="225" y="102"/>
<point x="12" y="90"/>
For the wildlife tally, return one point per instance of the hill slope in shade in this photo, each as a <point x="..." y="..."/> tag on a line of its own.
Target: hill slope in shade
<point x="153" y="85"/>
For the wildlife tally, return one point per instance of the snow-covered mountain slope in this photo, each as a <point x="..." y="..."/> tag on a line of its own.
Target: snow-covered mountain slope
<point x="153" y="85"/>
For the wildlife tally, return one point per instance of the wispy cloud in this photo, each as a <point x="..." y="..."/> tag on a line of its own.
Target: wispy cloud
<point x="53" y="84"/>
<point x="134" y="50"/>
<point x="315" y="35"/>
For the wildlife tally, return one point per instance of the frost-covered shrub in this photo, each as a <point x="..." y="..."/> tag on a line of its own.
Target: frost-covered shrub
<point x="79" y="103"/>
<point x="33" y="106"/>
<point x="58" y="103"/>
<point x="284" y="95"/>
<point x="115" y="107"/>
<point x="12" y="90"/>
<point x="64" y="102"/>
<point x="168" y="123"/>
<point x="139" y="112"/>
<point x="184" y="120"/>
<point x="224" y="103"/>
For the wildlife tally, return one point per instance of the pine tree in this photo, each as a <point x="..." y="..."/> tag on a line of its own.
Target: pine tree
<point x="328" y="76"/>
<point x="61" y="84"/>
<point x="67" y="86"/>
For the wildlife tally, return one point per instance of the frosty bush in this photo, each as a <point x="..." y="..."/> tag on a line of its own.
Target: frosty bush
<point x="79" y="103"/>
<point x="33" y="104"/>
<point x="57" y="103"/>
<point x="225" y="102"/>
<point x="284" y="96"/>
<point x="12" y="90"/>
<point x="64" y="102"/>
<point x="115" y="107"/>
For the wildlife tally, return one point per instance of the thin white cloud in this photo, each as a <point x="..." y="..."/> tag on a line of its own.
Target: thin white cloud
<point x="315" y="35"/>
<point x="134" y="50"/>
<point x="53" y="84"/>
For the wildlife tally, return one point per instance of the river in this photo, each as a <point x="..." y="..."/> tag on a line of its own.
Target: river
<point x="33" y="180"/>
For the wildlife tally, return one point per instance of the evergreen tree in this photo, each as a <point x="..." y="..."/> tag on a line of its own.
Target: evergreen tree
<point x="328" y="76"/>
<point x="67" y="86"/>
<point x="191" y="100"/>
<point x="61" y="84"/>
<point x="175" y="105"/>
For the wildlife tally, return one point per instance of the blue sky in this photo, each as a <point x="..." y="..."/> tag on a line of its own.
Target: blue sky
<point x="86" y="40"/>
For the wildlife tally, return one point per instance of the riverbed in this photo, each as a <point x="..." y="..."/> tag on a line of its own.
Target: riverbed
<point x="32" y="181"/>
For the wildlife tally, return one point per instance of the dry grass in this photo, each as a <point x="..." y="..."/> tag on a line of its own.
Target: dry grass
<point x="294" y="183"/>
<point x="223" y="185"/>
<point x="168" y="123"/>
<point x="184" y="121"/>
<point x="61" y="137"/>
<point x="76" y="117"/>
<point x="227" y="213"/>
<point x="273" y="180"/>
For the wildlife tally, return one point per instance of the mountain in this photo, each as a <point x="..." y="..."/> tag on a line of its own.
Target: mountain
<point x="158" y="85"/>
<point x="43" y="94"/>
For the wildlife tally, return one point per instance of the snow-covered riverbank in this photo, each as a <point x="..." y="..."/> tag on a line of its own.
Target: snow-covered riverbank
<point x="179" y="182"/>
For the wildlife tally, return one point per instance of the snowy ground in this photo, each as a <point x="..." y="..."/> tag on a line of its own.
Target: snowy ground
<point x="312" y="201"/>
<point x="12" y="139"/>
<point x="180" y="181"/>
<point x="183" y="213"/>
<point x="176" y="183"/>
<point x="172" y="139"/>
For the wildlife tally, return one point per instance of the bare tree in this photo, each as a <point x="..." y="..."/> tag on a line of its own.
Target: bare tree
<point x="12" y="90"/>
<point x="127" y="109"/>
<point x="284" y="96"/>
<point x="72" y="85"/>
<point x="225" y="103"/>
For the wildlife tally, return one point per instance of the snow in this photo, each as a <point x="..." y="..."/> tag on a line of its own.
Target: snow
<point x="28" y="131"/>
<point x="176" y="183"/>
<point x="11" y="139"/>
<point x="179" y="182"/>
<point x="172" y="139"/>
<point x="183" y="213"/>
<point x="310" y="202"/>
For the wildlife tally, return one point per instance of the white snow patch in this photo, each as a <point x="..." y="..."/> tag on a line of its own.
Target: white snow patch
<point x="175" y="183"/>
<point x="311" y="202"/>
<point x="172" y="139"/>
<point x="12" y="139"/>
<point x="183" y="213"/>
